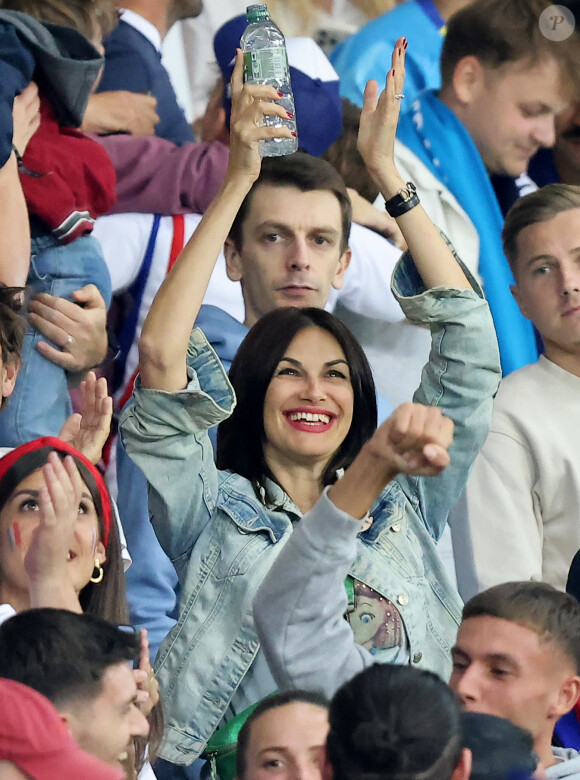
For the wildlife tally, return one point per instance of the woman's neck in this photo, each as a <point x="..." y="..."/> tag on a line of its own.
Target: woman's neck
<point x="302" y="482"/>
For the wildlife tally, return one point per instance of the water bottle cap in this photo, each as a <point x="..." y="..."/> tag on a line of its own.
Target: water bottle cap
<point x="256" y="12"/>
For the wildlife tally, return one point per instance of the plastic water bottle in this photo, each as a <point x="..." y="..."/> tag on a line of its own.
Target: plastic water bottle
<point x="266" y="62"/>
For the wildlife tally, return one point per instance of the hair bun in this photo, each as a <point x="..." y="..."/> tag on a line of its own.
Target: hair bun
<point x="377" y="741"/>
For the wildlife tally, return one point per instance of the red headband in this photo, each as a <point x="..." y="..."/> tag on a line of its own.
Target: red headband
<point x="50" y="441"/>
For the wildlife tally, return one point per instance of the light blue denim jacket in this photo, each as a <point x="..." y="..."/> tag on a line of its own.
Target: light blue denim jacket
<point x="223" y="540"/>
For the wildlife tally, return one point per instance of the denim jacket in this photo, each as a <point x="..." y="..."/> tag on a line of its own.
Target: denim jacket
<point x="223" y="540"/>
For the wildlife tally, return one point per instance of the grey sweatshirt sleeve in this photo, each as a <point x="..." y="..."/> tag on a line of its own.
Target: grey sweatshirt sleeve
<point x="299" y="607"/>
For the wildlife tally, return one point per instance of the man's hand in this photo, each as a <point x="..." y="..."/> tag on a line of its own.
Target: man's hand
<point x="414" y="440"/>
<point x="121" y="112"/>
<point x="25" y="117"/>
<point x="88" y="431"/>
<point x="79" y="331"/>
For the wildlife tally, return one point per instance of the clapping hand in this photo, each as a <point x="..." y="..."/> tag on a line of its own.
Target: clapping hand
<point x="380" y="115"/>
<point x="88" y="432"/>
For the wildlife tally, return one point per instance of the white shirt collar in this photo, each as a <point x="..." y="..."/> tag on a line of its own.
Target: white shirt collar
<point x="145" y="27"/>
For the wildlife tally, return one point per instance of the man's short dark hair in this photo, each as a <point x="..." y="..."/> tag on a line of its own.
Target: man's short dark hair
<point x="553" y="615"/>
<point x="267" y="704"/>
<point x="497" y="32"/>
<point x="539" y="206"/>
<point x="63" y="654"/>
<point x="306" y="173"/>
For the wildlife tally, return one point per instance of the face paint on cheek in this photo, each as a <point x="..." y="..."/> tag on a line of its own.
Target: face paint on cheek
<point x="14" y="537"/>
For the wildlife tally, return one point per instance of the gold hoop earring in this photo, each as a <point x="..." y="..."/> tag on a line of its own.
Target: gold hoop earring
<point x="96" y="578"/>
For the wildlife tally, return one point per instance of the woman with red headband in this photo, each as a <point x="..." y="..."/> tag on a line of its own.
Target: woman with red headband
<point x="59" y="544"/>
<point x="60" y="547"/>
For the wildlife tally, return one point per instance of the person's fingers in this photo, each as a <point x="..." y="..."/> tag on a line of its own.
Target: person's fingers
<point x="60" y="493"/>
<point x="58" y="333"/>
<point x="144" y="659"/>
<point x="142" y="696"/>
<point x="101" y="388"/>
<point x="399" y="423"/>
<point x="53" y="308"/>
<point x="47" y="513"/>
<point x="89" y="294"/>
<point x="61" y="487"/>
<point x="237" y="80"/>
<point x="63" y="359"/>
<point x="71" y="427"/>
<point x="267" y="108"/>
<point x="261" y="92"/>
<point x="105" y="413"/>
<point x="436" y="455"/>
<point x="76" y="481"/>
<point x="88" y="390"/>
<point x="371" y="95"/>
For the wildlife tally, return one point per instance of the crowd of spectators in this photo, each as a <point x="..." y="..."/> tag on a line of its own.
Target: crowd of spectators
<point x="289" y="480"/>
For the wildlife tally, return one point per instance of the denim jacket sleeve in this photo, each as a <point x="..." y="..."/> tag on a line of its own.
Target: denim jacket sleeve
<point x="165" y="434"/>
<point x="461" y="378"/>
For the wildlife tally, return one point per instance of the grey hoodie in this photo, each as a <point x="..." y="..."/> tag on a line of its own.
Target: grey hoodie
<point x="568" y="766"/>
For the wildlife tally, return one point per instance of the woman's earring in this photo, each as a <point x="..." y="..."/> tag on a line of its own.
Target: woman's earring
<point x="98" y="572"/>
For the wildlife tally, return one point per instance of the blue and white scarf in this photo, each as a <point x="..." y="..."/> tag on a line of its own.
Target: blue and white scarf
<point x="437" y="137"/>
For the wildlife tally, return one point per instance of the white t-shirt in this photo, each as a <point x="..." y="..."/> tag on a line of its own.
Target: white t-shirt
<point x="6" y="611"/>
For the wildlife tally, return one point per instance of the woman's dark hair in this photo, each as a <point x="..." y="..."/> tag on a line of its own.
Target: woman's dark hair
<point x="240" y="440"/>
<point x="106" y="599"/>
<point x="394" y="723"/>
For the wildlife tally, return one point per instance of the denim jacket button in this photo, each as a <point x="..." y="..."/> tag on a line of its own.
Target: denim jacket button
<point x="417" y="657"/>
<point x="396" y="527"/>
<point x="403" y="599"/>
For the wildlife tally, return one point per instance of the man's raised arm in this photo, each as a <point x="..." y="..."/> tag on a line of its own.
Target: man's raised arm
<point x="165" y="336"/>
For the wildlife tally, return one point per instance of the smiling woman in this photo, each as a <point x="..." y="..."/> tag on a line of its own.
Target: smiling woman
<point x="294" y="364"/>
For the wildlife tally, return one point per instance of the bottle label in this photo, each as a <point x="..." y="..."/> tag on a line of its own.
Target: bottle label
<point x="266" y="65"/>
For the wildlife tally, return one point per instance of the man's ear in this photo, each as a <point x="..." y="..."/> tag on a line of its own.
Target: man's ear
<point x="9" y="374"/>
<point x="568" y="695"/>
<point x="463" y="768"/>
<point x="468" y="79"/>
<point x="343" y="263"/>
<point x="70" y="721"/>
<point x="233" y="261"/>
<point x="516" y="293"/>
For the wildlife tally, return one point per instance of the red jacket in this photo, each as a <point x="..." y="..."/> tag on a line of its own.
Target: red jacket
<point x="68" y="179"/>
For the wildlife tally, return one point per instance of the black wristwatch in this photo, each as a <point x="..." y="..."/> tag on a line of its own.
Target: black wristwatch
<point x="405" y="200"/>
